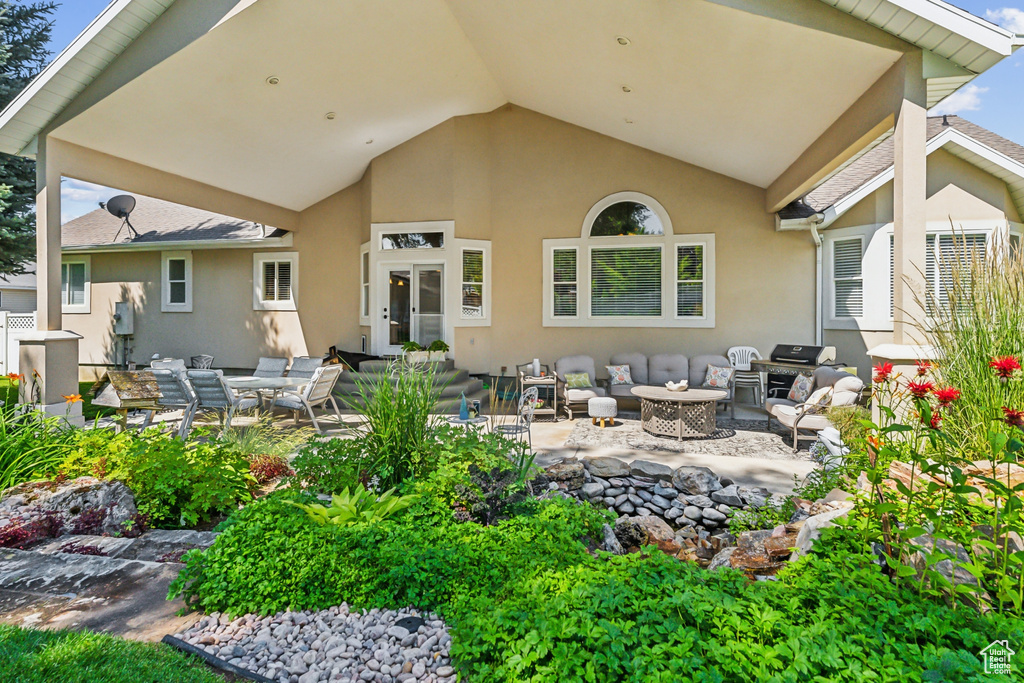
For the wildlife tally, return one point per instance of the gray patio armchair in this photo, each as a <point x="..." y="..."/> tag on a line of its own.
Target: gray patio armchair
<point x="524" y="418"/>
<point x="698" y="374"/>
<point x="270" y="367"/>
<point x="845" y="390"/>
<point x="318" y="393"/>
<point x="212" y="393"/>
<point x="175" y="364"/>
<point x="175" y="394"/>
<point x="305" y="366"/>
<point x="579" y="396"/>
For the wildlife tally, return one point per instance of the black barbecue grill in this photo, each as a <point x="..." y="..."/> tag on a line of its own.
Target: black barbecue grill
<point x="789" y="360"/>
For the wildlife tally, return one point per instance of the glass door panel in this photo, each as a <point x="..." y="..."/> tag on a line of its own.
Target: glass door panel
<point x="400" y="297"/>
<point x="428" y="304"/>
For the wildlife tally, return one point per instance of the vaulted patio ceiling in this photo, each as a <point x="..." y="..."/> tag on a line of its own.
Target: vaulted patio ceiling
<point x="734" y="91"/>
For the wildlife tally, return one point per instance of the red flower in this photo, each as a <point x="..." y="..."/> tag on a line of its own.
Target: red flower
<point x="946" y="395"/>
<point x="923" y="366"/>
<point x="919" y="389"/>
<point x="936" y="420"/>
<point x="883" y="372"/>
<point x="1004" y="366"/>
<point x="1014" y="418"/>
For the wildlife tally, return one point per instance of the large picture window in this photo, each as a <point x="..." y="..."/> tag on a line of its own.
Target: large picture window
<point x="628" y="269"/>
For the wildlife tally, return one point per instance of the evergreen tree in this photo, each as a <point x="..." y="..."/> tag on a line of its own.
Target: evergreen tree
<point x="24" y="34"/>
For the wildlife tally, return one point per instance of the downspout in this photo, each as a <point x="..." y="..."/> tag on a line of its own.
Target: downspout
<point x="814" y="221"/>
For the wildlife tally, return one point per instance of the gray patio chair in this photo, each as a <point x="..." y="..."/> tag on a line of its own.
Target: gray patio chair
<point x="175" y="394"/>
<point x="579" y="396"/>
<point x="202" y="362"/>
<point x="318" y="393"/>
<point x="699" y="371"/>
<point x="212" y="393"/>
<point x="270" y="367"/>
<point x="304" y="366"/>
<point x="524" y="418"/>
<point x="175" y="364"/>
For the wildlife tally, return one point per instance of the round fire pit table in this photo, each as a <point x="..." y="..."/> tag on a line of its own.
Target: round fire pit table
<point x="680" y="414"/>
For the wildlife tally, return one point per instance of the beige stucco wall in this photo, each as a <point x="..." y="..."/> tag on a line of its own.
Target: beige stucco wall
<point x="512" y="176"/>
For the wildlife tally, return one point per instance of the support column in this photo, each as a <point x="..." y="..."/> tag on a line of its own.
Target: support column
<point x="909" y="216"/>
<point x="48" y="358"/>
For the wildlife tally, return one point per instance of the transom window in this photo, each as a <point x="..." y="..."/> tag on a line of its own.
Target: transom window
<point x="412" y="240"/>
<point x="628" y="269"/>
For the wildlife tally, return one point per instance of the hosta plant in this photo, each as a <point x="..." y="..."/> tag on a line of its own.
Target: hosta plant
<point x="356" y="506"/>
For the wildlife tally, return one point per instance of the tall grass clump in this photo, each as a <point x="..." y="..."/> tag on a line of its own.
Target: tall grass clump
<point x="398" y="407"/>
<point x="977" y="316"/>
<point x="32" y="445"/>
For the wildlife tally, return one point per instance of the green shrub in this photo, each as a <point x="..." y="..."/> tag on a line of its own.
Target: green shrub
<point x="176" y="484"/>
<point x="263" y="437"/>
<point x="31" y="656"/>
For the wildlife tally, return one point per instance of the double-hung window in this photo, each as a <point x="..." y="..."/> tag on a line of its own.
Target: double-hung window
<point x="176" y="282"/>
<point x="629" y="270"/>
<point x="275" y="281"/>
<point x="75" y="284"/>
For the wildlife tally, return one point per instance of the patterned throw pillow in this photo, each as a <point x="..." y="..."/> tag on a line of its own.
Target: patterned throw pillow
<point x="718" y="377"/>
<point x="801" y="388"/>
<point x="820" y="397"/>
<point x="619" y="374"/>
<point x="577" y="380"/>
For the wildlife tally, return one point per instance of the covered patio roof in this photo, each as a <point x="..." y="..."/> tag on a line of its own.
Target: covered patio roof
<point x="288" y="103"/>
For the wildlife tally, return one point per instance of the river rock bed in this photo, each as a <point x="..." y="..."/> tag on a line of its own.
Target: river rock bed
<point x="384" y="646"/>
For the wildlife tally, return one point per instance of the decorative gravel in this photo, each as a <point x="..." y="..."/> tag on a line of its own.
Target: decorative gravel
<point x="331" y="645"/>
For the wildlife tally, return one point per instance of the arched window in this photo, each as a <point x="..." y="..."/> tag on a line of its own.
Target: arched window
<point x="628" y="269"/>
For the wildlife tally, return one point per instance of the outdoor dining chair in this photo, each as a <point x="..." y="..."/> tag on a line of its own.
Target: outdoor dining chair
<point x="318" y="393"/>
<point x="213" y="394"/>
<point x="304" y="366"/>
<point x="175" y="394"/>
<point x="524" y="418"/>
<point x="270" y="367"/>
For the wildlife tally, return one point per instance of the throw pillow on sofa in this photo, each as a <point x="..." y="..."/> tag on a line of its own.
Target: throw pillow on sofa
<point x="718" y="377"/>
<point x="619" y="374"/>
<point x="801" y="388"/>
<point x="577" y="380"/>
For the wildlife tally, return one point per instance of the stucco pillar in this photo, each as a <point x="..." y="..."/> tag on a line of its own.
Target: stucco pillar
<point x="909" y="196"/>
<point x="48" y="358"/>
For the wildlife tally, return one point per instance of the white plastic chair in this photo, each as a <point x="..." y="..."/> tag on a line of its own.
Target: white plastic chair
<point x="319" y="392"/>
<point x="740" y="357"/>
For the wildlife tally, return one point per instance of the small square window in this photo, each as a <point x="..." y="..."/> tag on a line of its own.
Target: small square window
<point x="275" y="281"/>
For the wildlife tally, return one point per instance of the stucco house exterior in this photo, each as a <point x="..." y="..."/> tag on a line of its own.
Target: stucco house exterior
<point x="439" y="166"/>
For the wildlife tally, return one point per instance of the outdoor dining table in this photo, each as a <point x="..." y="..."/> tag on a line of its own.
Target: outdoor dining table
<point x="262" y="385"/>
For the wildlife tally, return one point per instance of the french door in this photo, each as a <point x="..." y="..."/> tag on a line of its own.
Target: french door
<point x="413" y="306"/>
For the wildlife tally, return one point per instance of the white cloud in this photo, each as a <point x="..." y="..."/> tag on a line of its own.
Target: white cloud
<point x="967" y="98"/>
<point x="80" y="191"/>
<point x="1009" y="18"/>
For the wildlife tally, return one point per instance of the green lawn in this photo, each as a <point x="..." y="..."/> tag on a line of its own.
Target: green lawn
<point x="9" y="395"/>
<point x="29" y="656"/>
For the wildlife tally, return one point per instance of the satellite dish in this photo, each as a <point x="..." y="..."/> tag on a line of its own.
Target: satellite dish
<point x="122" y="206"/>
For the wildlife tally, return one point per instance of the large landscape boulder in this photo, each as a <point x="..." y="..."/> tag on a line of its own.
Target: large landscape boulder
<point x="695" y="481"/>
<point x="605" y="467"/>
<point x="86" y="504"/>
<point x="651" y="470"/>
<point x="567" y="475"/>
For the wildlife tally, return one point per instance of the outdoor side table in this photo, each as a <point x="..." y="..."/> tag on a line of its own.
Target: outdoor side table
<point x="479" y="422"/>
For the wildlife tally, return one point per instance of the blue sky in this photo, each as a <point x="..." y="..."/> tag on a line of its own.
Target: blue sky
<point x="994" y="100"/>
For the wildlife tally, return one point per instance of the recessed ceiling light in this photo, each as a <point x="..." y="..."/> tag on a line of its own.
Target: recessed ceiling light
<point x="273" y="80"/>
<point x="622" y="40"/>
<point x="330" y="116"/>
<point x="629" y="120"/>
<point x="626" y="88"/>
<point x="370" y="141"/>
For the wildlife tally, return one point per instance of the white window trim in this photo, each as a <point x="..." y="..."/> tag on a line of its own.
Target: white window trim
<point x="550" y="247"/>
<point x="668" y="317"/>
<point x="85" y="307"/>
<point x="365" y="284"/>
<point x="258" y="259"/>
<point x="875" y="269"/>
<point x="165" y="284"/>
<point x="484" y="246"/>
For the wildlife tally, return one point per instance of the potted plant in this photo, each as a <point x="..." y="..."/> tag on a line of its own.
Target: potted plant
<point x="414" y="353"/>
<point x="438" y="350"/>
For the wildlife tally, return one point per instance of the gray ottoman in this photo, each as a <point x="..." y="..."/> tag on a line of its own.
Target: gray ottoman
<point x="602" y="408"/>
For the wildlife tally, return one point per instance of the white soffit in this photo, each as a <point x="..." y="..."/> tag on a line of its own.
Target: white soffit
<point x="74" y="69"/>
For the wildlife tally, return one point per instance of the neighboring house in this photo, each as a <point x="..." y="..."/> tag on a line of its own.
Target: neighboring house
<point x="529" y="179"/>
<point x="18" y="293"/>
<point x="975" y="199"/>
